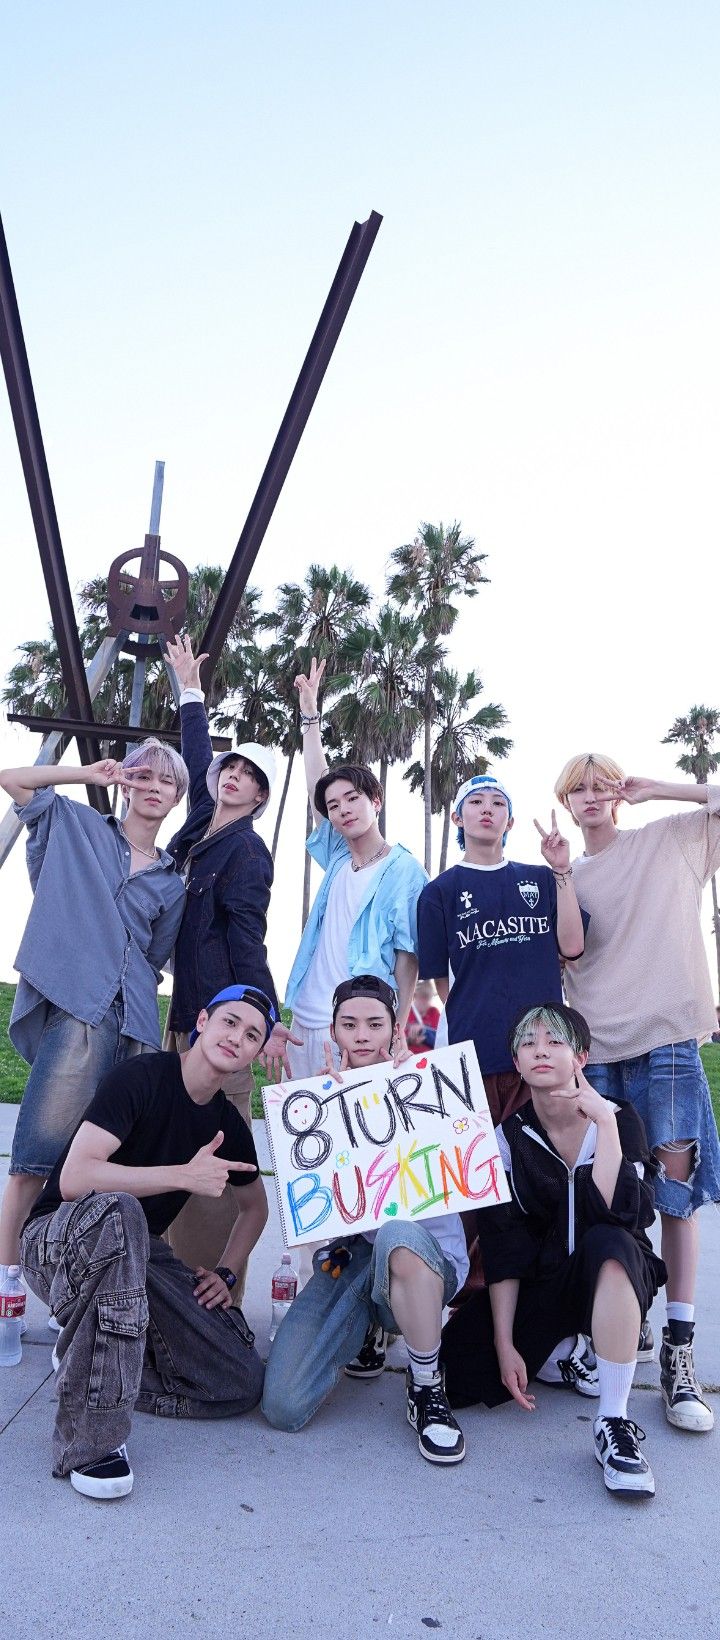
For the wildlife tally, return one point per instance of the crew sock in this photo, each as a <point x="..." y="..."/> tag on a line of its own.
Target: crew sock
<point x="423" y="1364"/>
<point x="615" y="1379"/>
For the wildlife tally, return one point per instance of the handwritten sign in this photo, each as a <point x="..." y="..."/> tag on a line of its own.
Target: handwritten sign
<point x="410" y="1142"/>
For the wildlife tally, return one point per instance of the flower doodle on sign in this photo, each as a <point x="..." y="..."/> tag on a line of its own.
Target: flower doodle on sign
<point x="342" y="1159"/>
<point x="462" y="1125"/>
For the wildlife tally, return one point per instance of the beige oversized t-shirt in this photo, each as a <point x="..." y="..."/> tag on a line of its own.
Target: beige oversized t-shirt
<point x="643" y="978"/>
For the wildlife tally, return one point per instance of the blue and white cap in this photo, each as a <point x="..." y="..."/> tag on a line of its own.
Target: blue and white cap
<point x="480" y="782"/>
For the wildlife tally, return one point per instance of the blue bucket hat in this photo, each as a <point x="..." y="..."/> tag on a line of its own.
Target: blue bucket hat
<point x="480" y="782"/>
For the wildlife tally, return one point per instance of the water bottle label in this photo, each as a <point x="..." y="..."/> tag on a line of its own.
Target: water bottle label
<point x="284" y="1289"/>
<point x="12" y="1305"/>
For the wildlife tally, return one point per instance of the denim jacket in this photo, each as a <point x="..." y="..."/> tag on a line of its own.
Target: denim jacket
<point x="93" y="931"/>
<point x="229" y="878"/>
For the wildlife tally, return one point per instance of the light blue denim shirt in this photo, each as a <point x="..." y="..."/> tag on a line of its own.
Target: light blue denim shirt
<point x="93" y="931"/>
<point x="387" y="918"/>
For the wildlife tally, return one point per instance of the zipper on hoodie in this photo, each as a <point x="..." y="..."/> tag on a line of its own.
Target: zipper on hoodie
<point x="571" y="1176"/>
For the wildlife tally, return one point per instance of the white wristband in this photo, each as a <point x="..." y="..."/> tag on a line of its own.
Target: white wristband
<point x="192" y="694"/>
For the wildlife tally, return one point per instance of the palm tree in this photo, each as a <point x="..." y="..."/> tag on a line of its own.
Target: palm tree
<point x="377" y="712"/>
<point x="460" y="744"/>
<point x="315" y="618"/>
<point x="439" y="565"/>
<point x="696" y="731"/>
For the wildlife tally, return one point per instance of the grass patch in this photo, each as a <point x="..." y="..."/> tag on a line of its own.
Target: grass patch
<point x="14" y="1071"/>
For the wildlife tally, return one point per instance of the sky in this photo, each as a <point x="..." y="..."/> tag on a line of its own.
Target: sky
<point x="533" y="349"/>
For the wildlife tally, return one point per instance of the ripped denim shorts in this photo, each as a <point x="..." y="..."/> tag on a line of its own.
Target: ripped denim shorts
<point x="669" y="1090"/>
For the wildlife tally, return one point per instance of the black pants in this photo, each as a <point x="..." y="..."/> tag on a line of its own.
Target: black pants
<point x="548" y="1310"/>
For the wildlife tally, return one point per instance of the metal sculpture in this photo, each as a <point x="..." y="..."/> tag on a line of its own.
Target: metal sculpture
<point x="149" y="621"/>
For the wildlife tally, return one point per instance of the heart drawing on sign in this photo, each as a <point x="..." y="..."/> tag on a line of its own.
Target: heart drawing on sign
<point x="391" y="1210"/>
<point x="420" y="1064"/>
<point x="326" y="1085"/>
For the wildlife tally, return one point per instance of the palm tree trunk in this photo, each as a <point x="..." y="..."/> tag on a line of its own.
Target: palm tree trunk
<point x="445" y="836"/>
<point x="283" y="799"/>
<point x="716" y="925"/>
<point x="308" y="863"/>
<point x="382" y="817"/>
<point x="427" y="781"/>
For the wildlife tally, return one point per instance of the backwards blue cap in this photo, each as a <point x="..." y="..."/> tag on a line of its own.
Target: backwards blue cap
<point x="480" y="782"/>
<point x="248" y="993"/>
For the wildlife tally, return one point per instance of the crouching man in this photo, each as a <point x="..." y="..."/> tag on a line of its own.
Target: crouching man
<point x="140" y="1329"/>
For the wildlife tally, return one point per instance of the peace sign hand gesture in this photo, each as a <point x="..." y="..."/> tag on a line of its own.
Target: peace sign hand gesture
<point x="307" y="685"/>
<point x="555" y="848"/>
<point x="328" y="1069"/>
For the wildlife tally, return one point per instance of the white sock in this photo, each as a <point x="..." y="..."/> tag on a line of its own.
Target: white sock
<point x="676" y="1311"/>
<point x="423" y="1364"/>
<point x="615" y="1384"/>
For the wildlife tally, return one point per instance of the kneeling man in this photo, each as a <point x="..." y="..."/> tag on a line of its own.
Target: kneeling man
<point x="139" y="1329"/>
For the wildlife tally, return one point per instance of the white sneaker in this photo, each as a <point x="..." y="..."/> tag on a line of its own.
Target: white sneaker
<point x="110" y="1477"/>
<point x="625" y="1470"/>
<point x="577" y="1370"/>
<point x="53" y="1324"/>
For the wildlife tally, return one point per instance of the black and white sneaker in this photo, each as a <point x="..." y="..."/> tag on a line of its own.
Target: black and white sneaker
<point x="440" y="1437"/>
<point x="646" y="1343"/>
<point x="684" y="1405"/>
<point x="616" y="1448"/>
<point x="579" y="1369"/>
<point x="370" y="1359"/>
<point x="110" y="1477"/>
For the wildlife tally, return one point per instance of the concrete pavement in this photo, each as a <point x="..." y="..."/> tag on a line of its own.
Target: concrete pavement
<point x="343" y="1530"/>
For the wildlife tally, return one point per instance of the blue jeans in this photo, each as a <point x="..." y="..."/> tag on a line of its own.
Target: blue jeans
<point x="669" y="1090"/>
<point x="70" y="1061"/>
<point x="326" y="1324"/>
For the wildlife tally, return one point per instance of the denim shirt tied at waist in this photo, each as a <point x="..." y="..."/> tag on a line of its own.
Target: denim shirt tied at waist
<point x="93" y="931"/>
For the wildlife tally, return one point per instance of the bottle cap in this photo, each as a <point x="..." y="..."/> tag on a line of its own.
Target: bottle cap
<point x="13" y="1269"/>
<point x="285" y="1259"/>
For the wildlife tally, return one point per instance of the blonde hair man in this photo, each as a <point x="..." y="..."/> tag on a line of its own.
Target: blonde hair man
<point x="643" y="979"/>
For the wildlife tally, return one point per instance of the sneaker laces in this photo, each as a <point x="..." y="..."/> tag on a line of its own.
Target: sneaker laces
<point x="573" y="1368"/>
<point x="435" y="1406"/>
<point x="623" y="1437"/>
<point x="684" y="1369"/>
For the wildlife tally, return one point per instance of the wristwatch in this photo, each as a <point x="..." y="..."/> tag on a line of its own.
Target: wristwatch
<point x="226" y="1275"/>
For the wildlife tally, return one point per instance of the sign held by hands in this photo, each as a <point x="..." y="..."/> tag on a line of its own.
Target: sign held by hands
<point x="408" y="1141"/>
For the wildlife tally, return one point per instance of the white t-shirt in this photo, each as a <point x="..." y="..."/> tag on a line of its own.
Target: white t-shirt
<point x="329" y="966"/>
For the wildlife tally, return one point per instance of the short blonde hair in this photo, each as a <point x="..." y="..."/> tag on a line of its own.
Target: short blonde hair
<point x="584" y="767"/>
<point x="155" y="755"/>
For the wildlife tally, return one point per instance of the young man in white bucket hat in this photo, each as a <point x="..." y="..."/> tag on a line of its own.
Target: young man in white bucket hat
<point x="229" y="875"/>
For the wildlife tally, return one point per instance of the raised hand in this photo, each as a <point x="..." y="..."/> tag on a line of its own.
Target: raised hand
<point x="635" y="788"/>
<point x="555" y="848"/>
<point x="328" y="1069"/>
<point x="274" y="1055"/>
<point x="207" y="1174"/>
<point x="185" y="665"/>
<point x="307" y="685"/>
<point x="108" y="772"/>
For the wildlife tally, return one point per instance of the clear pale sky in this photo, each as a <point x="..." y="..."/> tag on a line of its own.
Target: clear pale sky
<point x="533" y="350"/>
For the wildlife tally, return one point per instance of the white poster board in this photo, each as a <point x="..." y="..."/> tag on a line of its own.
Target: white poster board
<point x="410" y="1141"/>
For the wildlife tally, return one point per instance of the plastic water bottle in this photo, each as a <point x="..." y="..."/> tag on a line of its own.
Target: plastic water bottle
<point x="284" y="1288"/>
<point x="12" y="1310"/>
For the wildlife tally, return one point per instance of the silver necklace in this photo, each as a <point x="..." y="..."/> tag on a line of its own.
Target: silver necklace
<point x="373" y="858"/>
<point x="136" y="846"/>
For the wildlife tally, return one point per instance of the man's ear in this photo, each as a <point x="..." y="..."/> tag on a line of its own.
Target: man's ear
<point x="332" y="1033"/>
<point x="456" y="817"/>
<point x="580" y="1061"/>
<point x="510" y="824"/>
<point x="202" y="1020"/>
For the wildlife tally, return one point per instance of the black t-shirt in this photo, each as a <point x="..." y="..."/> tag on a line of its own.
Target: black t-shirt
<point x="144" y="1103"/>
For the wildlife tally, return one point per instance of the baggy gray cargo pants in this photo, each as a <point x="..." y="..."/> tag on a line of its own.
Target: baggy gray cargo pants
<point x="133" y="1334"/>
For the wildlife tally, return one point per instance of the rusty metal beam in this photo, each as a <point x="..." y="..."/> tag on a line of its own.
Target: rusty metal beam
<point x="333" y="316"/>
<point x="42" y="507"/>
<point x="106" y="731"/>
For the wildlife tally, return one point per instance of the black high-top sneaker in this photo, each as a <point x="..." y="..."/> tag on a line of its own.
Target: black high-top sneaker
<point x="684" y="1405"/>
